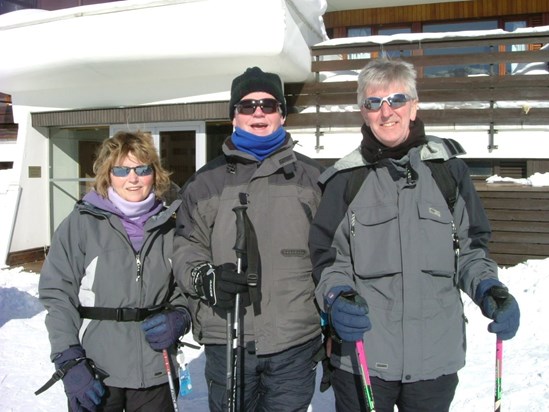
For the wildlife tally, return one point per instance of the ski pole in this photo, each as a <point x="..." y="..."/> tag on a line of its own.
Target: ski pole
<point x="365" y="375"/>
<point x="229" y="363"/>
<point x="240" y="250"/>
<point x="170" y="378"/>
<point x="499" y="365"/>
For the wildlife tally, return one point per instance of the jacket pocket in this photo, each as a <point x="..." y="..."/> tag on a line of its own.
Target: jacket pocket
<point x="435" y="226"/>
<point x="375" y="241"/>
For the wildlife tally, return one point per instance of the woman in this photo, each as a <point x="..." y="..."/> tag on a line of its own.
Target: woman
<point x="107" y="284"/>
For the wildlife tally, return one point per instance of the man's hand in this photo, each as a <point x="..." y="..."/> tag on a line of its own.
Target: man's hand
<point x="498" y="304"/>
<point x="219" y="285"/>
<point x="348" y="314"/>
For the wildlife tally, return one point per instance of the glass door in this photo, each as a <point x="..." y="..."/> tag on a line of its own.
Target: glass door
<point x="178" y="154"/>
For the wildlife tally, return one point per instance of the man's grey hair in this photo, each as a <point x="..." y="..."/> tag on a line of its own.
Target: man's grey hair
<point x="384" y="72"/>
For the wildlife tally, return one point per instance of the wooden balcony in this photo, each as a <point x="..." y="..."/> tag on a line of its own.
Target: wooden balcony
<point x="470" y="84"/>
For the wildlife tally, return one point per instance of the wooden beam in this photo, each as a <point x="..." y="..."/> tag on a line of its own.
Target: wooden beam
<point x="535" y="116"/>
<point x="424" y="61"/>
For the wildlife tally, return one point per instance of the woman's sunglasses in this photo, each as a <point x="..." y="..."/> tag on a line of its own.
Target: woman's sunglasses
<point x="394" y="100"/>
<point x="268" y="106"/>
<point x="123" y="171"/>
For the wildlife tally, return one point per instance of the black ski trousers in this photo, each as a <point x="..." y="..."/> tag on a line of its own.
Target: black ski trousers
<point x="283" y="381"/>
<point x="154" y="399"/>
<point x="423" y="396"/>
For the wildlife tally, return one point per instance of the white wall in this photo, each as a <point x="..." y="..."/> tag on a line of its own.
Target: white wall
<point x="7" y="151"/>
<point x="9" y="199"/>
<point x="332" y="144"/>
<point x="31" y="228"/>
<point x="512" y="143"/>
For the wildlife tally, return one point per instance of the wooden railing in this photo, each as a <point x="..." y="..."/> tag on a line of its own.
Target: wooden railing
<point x="494" y="96"/>
<point x="519" y="216"/>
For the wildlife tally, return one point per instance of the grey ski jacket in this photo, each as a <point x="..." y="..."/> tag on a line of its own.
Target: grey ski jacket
<point x="92" y="263"/>
<point x="282" y="195"/>
<point x="393" y="244"/>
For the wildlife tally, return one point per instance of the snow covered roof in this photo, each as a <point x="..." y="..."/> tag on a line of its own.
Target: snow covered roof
<point x="142" y="51"/>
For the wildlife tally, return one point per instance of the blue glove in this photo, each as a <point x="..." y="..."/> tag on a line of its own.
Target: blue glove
<point x="498" y="304"/>
<point x="348" y="313"/>
<point x="164" y="329"/>
<point x="83" y="388"/>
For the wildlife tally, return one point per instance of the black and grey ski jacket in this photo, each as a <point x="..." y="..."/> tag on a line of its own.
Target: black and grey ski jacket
<point x="282" y="195"/>
<point x="91" y="262"/>
<point x="393" y="244"/>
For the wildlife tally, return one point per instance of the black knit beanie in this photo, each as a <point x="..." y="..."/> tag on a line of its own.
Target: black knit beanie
<point x="256" y="80"/>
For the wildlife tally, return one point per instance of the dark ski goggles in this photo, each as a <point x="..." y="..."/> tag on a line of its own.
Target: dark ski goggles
<point x="268" y="106"/>
<point x="394" y="100"/>
<point x="123" y="171"/>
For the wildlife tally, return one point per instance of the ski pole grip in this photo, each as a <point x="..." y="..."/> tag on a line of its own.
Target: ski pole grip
<point x="240" y="244"/>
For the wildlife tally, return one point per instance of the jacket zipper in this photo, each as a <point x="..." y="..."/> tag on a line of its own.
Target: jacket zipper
<point x="455" y="241"/>
<point x="139" y="267"/>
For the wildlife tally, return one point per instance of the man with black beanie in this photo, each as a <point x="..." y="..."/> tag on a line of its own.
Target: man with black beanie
<point x="279" y="325"/>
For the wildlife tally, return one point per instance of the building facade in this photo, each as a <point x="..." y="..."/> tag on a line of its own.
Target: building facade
<point x="53" y="147"/>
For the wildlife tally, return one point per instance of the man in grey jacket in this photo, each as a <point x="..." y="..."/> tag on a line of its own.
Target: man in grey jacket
<point x="280" y="326"/>
<point x="391" y="260"/>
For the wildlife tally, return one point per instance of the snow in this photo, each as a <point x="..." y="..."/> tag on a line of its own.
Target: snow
<point x="536" y="180"/>
<point x="25" y="365"/>
<point x="418" y="37"/>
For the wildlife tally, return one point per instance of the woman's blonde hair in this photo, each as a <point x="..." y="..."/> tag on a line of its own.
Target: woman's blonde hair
<point x="138" y="144"/>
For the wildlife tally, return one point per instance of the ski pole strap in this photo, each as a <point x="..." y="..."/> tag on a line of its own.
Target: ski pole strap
<point x="118" y="314"/>
<point x="59" y="374"/>
<point x="253" y="270"/>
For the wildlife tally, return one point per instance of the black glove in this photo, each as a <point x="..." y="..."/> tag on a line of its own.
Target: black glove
<point x="498" y="304"/>
<point x="164" y="329"/>
<point x="219" y="285"/>
<point x="83" y="388"/>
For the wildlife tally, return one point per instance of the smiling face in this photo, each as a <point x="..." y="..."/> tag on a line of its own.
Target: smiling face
<point x="390" y="126"/>
<point x="258" y="123"/>
<point x="132" y="188"/>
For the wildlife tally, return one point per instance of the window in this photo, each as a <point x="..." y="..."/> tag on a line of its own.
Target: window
<point x="7" y="6"/>
<point x="381" y="31"/>
<point x="459" y="70"/>
<point x="359" y="32"/>
<point x="512" y="26"/>
<point x="389" y="31"/>
<point x="483" y="168"/>
<point x="480" y="169"/>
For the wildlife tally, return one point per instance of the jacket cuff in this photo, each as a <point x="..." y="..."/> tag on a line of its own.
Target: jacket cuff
<point x="333" y="294"/>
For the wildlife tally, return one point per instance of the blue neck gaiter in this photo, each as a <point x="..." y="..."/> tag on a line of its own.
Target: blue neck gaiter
<point x="258" y="146"/>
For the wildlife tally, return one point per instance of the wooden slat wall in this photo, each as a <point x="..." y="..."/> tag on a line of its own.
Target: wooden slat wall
<point x="434" y="12"/>
<point x="486" y="89"/>
<point x="519" y="216"/>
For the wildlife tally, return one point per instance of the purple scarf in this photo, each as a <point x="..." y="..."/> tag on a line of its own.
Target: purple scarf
<point x="133" y="215"/>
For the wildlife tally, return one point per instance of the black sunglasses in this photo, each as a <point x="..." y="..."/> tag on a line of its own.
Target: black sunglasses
<point x="394" y="100"/>
<point x="268" y="106"/>
<point x="123" y="171"/>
